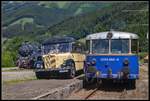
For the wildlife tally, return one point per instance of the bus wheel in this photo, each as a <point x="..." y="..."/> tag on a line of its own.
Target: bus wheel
<point x="72" y="70"/>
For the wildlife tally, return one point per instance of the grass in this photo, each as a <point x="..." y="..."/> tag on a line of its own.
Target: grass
<point x="141" y="61"/>
<point x="142" y="55"/>
<point x="79" y="11"/>
<point x="8" y="67"/>
<point x="19" y="81"/>
<point x="62" y="4"/>
<point x="14" y="70"/>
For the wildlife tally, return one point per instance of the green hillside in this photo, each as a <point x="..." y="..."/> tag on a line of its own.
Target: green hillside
<point x="129" y="17"/>
<point x="44" y="13"/>
<point x="121" y="17"/>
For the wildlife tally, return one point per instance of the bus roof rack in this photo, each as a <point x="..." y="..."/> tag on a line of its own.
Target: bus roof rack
<point x="58" y="39"/>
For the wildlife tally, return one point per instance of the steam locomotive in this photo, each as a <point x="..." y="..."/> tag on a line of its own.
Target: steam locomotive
<point x="28" y="54"/>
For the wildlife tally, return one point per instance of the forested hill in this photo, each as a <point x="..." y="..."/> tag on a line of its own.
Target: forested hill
<point x="119" y="16"/>
<point x="129" y="17"/>
<point x="125" y="16"/>
<point x="30" y="17"/>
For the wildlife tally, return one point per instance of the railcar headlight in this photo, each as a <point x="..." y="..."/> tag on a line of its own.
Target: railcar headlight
<point x="98" y="73"/>
<point x="39" y="66"/>
<point x="93" y="62"/>
<point x="126" y="62"/>
<point x="88" y="63"/>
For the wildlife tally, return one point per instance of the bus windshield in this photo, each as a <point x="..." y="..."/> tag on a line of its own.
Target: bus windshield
<point x="57" y="48"/>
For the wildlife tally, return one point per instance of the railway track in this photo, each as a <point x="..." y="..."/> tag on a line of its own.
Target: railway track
<point x="115" y="91"/>
<point x="90" y="94"/>
<point x="96" y="92"/>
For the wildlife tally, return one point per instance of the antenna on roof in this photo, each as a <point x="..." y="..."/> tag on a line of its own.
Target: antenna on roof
<point x="109" y="35"/>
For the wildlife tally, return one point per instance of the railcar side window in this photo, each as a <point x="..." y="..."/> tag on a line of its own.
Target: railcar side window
<point x="134" y="46"/>
<point x="119" y="46"/>
<point x="100" y="46"/>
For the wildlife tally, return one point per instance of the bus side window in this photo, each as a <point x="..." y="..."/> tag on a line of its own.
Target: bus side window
<point x="77" y="49"/>
<point x="87" y="46"/>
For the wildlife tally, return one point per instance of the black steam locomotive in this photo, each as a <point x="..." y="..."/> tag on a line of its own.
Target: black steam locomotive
<point x="28" y="54"/>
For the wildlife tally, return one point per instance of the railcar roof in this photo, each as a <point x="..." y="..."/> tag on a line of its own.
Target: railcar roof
<point x="116" y="35"/>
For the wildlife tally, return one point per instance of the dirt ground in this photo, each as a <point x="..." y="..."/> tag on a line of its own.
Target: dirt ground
<point x="17" y="75"/>
<point x="109" y="91"/>
<point x="33" y="88"/>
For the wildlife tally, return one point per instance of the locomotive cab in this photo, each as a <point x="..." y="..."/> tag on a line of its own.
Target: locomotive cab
<point x="112" y="55"/>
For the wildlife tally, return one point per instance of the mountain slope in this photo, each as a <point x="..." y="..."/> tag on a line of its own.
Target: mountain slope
<point x="129" y="17"/>
<point x="44" y="13"/>
<point x="113" y="17"/>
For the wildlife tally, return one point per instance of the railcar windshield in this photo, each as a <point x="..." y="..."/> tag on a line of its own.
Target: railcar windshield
<point x="100" y="46"/>
<point x="119" y="46"/>
<point x="57" y="48"/>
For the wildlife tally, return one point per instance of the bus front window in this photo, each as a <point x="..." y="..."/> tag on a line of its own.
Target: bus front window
<point x="57" y="48"/>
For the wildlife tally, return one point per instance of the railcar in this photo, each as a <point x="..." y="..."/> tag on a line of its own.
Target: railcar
<point x="112" y="55"/>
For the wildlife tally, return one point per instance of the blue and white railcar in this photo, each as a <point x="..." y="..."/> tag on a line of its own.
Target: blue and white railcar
<point x="112" y="55"/>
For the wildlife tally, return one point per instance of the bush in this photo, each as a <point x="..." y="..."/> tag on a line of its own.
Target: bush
<point x="142" y="55"/>
<point x="9" y="53"/>
<point x="7" y="59"/>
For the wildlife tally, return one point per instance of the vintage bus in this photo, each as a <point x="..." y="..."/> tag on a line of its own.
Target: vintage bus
<point x="61" y="56"/>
